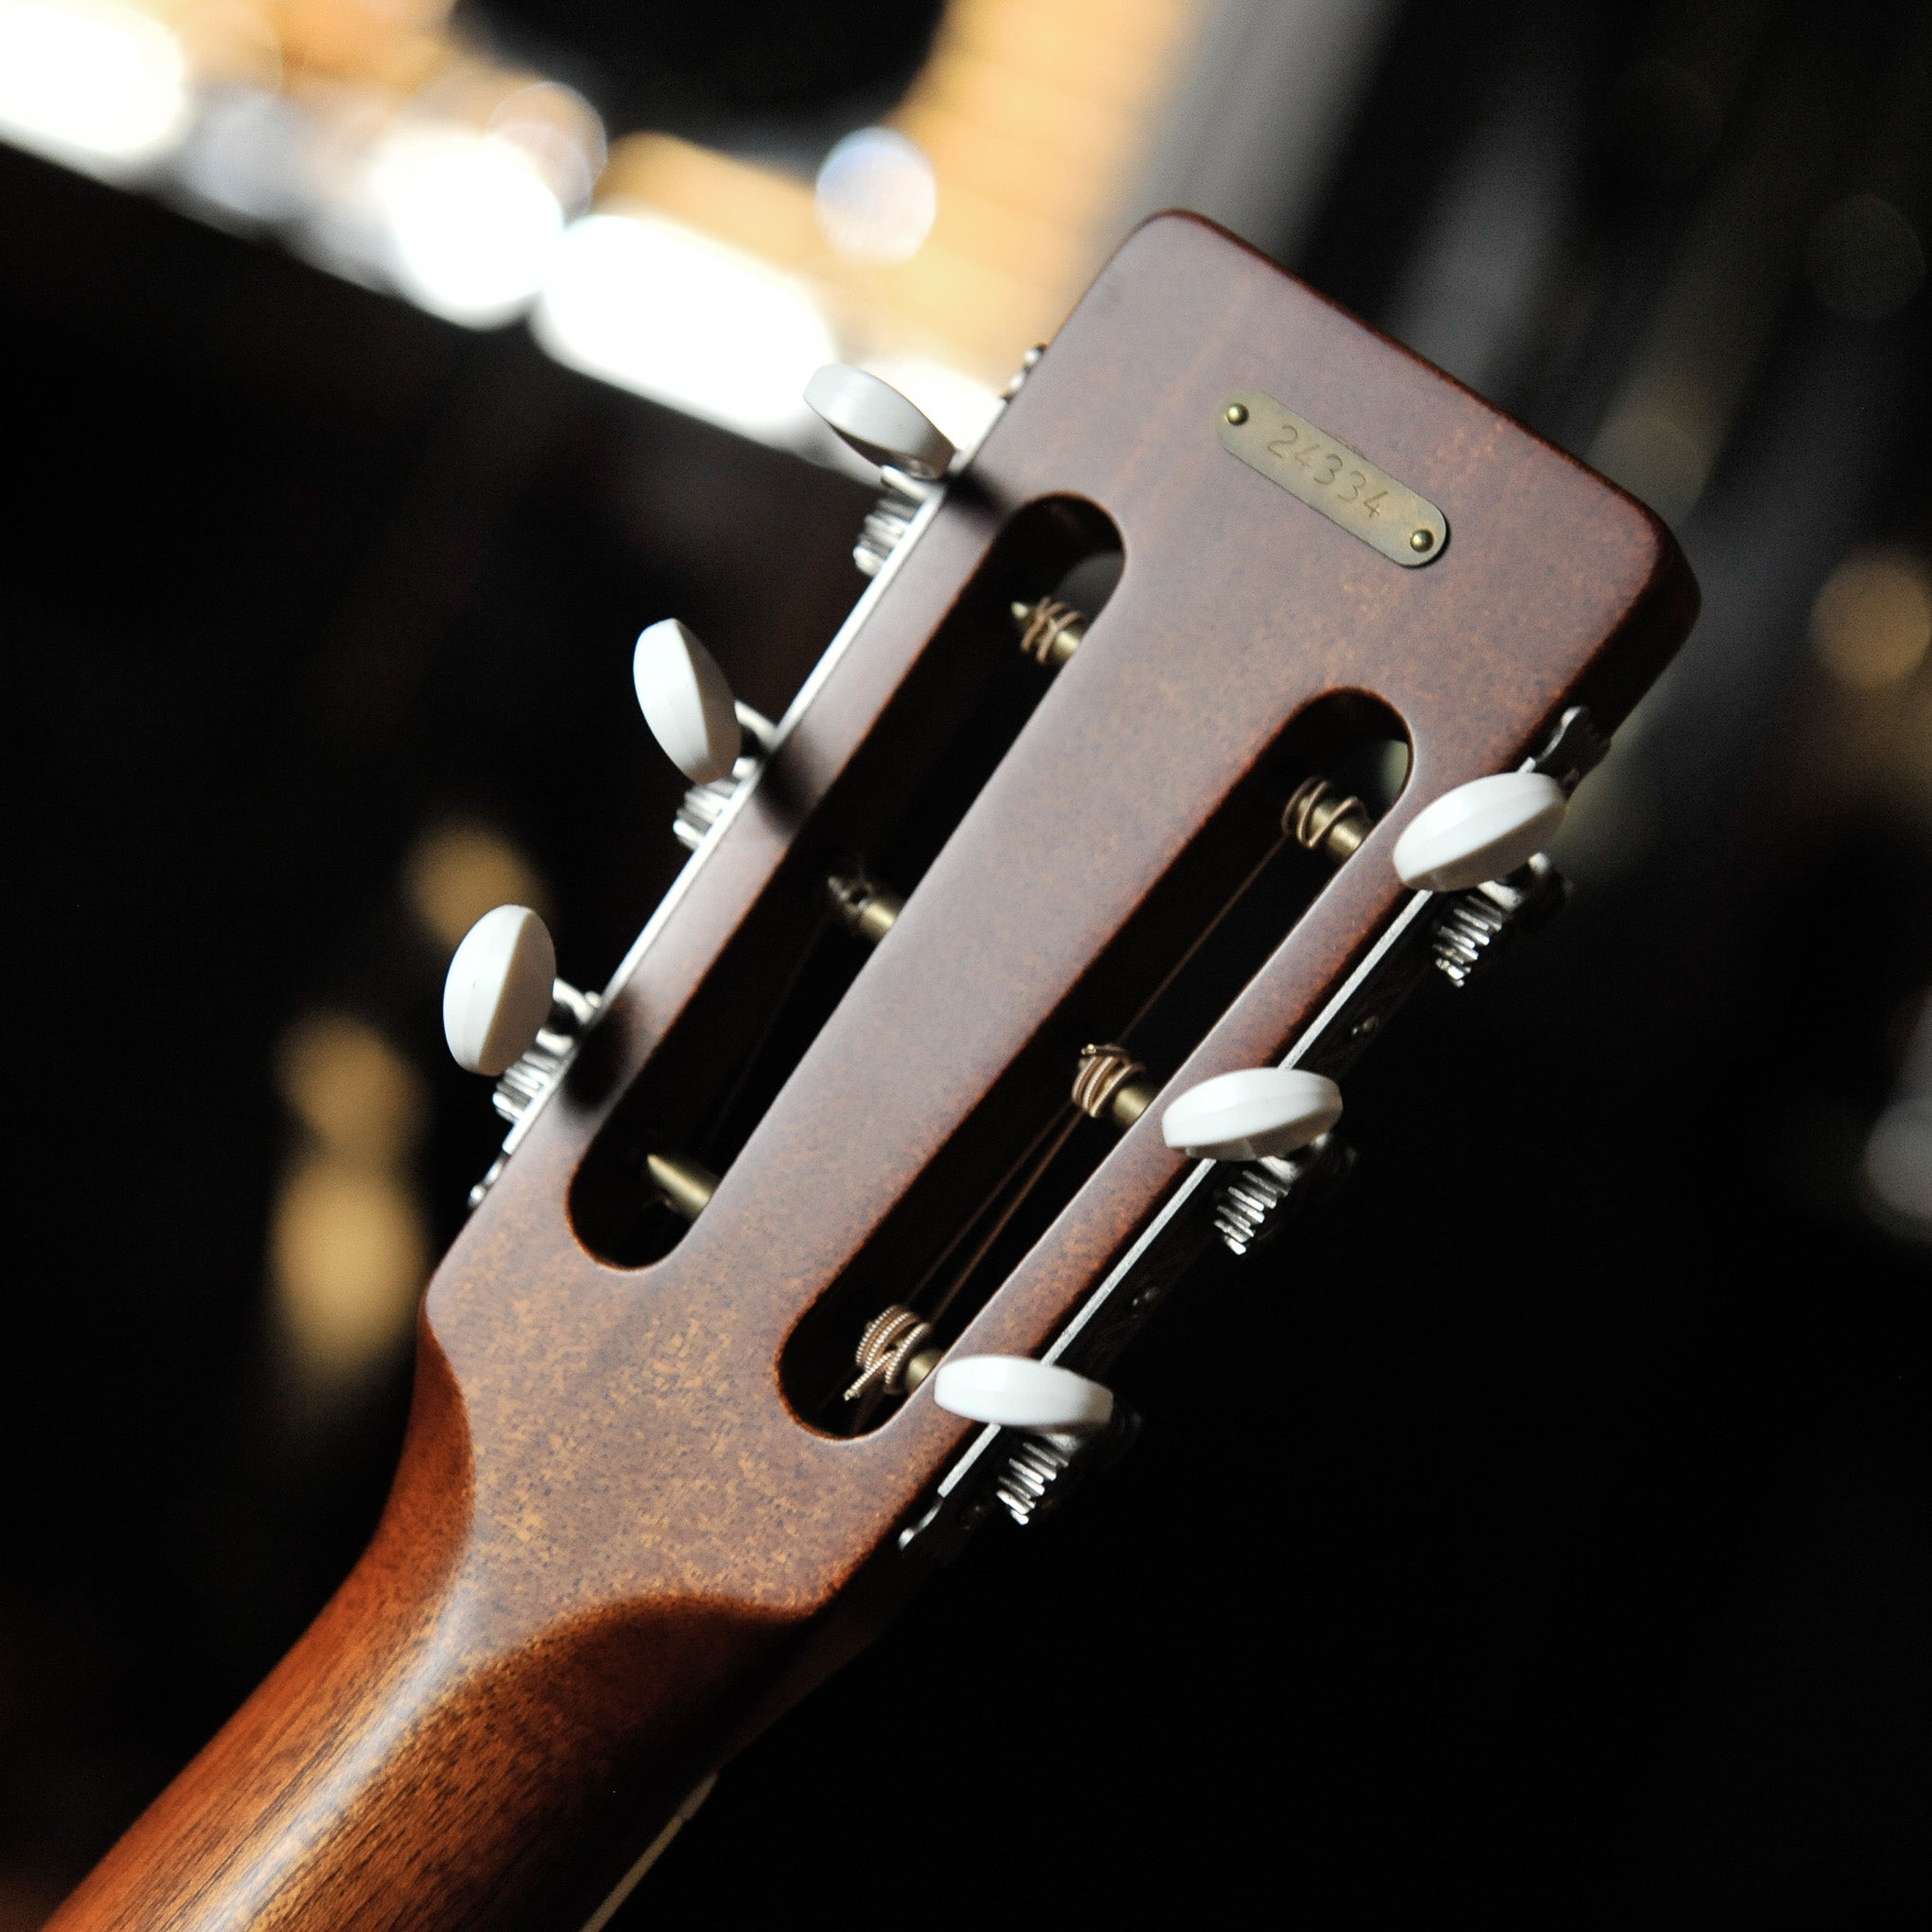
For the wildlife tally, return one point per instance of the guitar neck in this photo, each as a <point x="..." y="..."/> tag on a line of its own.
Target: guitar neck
<point x="412" y="1764"/>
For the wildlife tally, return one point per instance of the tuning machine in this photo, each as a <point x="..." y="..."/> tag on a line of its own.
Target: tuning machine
<point x="1240" y="1116"/>
<point x="700" y="726"/>
<point x="891" y="432"/>
<point x="1465" y="936"/>
<point x="914" y="457"/>
<point x="506" y="1013"/>
<point x="698" y="722"/>
<point x="1481" y="831"/>
<point x="1256" y="1197"/>
<point x="1067" y="1423"/>
<point x="1017" y="1392"/>
<point x="1274" y="1127"/>
<point x="1252" y="1114"/>
<point x="888" y="523"/>
<point x="1480" y="846"/>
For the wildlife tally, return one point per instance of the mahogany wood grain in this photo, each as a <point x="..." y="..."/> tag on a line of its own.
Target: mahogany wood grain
<point x="610" y="1536"/>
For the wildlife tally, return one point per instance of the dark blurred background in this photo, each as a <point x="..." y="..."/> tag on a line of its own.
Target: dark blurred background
<point x="1544" y="1531"/>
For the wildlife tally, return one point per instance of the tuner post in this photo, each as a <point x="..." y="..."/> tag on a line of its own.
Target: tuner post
<point x="863" y="907"/>
<point x="1050" y="632"/>
<point x="893" y="1356"/>
<point x="1111" y="1085"/>
<point x="1321" y="819"/>
<point x="687" y="1188"/>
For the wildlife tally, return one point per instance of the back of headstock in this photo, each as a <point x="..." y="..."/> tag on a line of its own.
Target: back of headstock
<point x="958" y="888"/>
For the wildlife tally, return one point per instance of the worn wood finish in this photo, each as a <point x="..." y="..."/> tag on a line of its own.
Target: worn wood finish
<point x="609" y="1535"/>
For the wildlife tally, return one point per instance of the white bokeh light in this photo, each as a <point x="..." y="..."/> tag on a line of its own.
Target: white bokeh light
<point x="877" y="197"/>
<point x="472" y="225"/>
<point x="246" y="155"/>
<point x="94" y="83"/>
<point x="560" y="134"/>
<point x="657" y="307"/>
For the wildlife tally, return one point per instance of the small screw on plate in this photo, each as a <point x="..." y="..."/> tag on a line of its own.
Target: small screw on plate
<point x="1237" y="412"/>
<point x="1422" y="542"/>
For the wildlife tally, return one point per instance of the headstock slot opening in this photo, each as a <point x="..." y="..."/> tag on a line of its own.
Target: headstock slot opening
<point x="1207" y="927"/>
<point x="1361" y="748"/>
<point x="730" y="1052"/>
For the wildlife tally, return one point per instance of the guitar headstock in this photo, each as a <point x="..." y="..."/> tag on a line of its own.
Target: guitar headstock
<point x="1221" y="698"/>
<point x="1109" y="787"/>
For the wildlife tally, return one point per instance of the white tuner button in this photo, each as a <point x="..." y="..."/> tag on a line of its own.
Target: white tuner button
<point x="1017" y="1392"/>
<point x="884" y="426"/>
<point x="1480" y="831"/>
<point x="686" y="701"/>
<point x="497" y="994"/>
<point x="1253" y="1113"/>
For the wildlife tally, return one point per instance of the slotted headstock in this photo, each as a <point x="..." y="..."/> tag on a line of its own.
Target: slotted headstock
<point x="637" y="1493"/>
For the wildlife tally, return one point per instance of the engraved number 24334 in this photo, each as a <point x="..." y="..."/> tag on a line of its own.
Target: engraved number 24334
<point x="1285" y="445"/>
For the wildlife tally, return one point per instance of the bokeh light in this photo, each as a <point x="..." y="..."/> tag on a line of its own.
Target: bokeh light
<point x="246" y="155"/>
<point x="359" y="1098"/>
<point x="472" y="222"/>
<point x="877" y="196"/>
<point x="95" y="83"/>
<point x="393" y="143"/>
<point x="1871" y="623"/>
<point x="559" y="133"/>
<point x="660" y="309"/>
<point x="348" y="1248"/>
<point x="457" y="871"/>
<point x="350" y="1253"/>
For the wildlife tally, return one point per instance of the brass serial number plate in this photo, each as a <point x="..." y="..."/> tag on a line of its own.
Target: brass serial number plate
<point x="1328" y="475"/>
